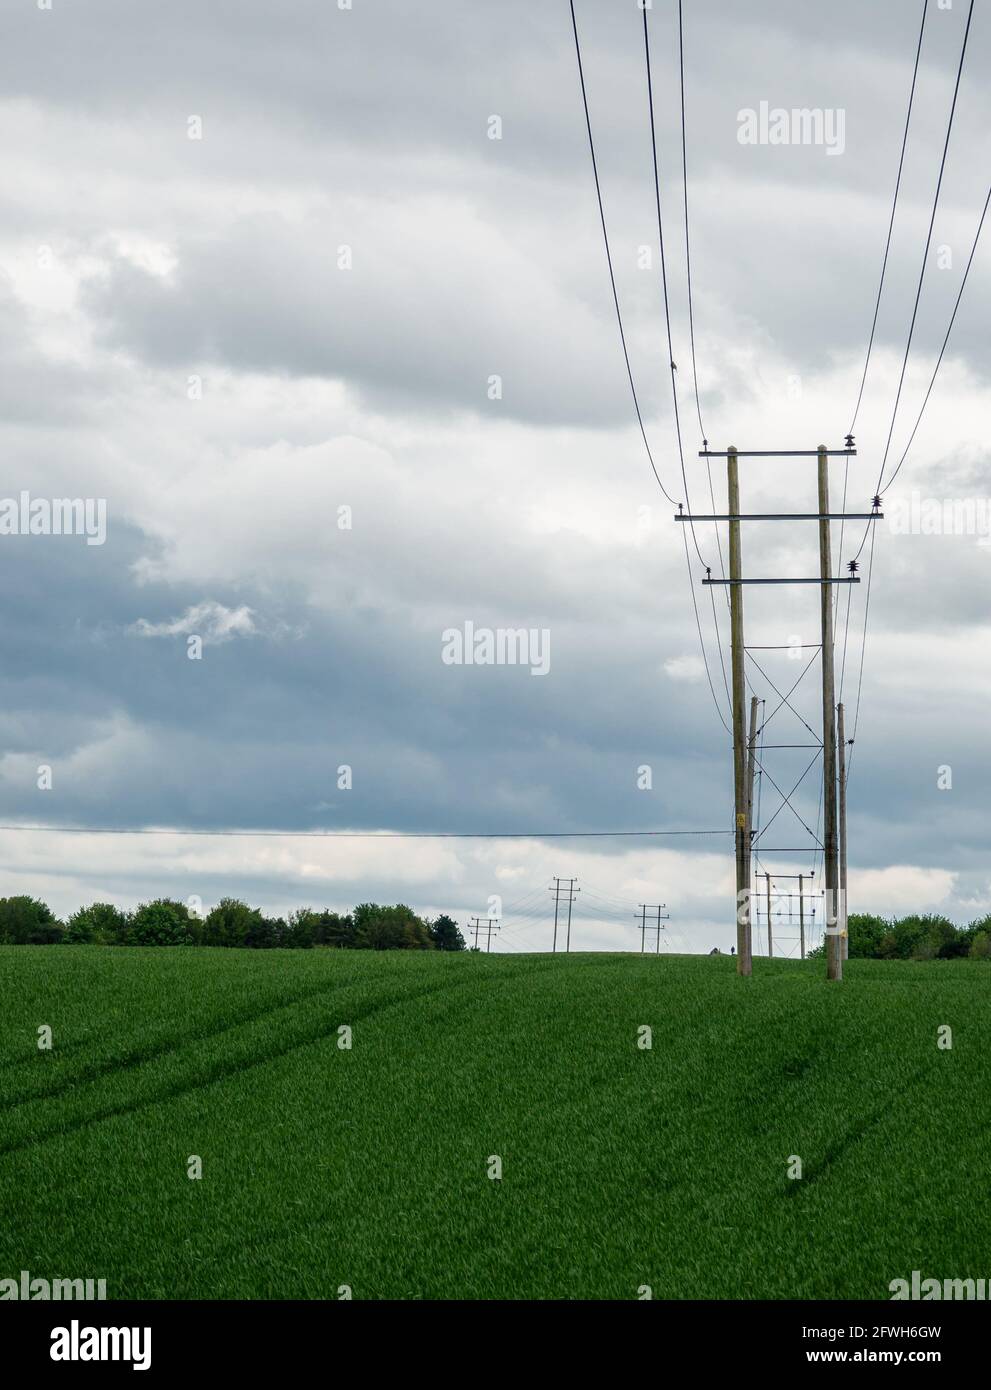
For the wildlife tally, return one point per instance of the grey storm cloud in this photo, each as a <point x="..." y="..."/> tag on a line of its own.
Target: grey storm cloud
<point x="442" y="297"/>
<point x="432" y="307"/>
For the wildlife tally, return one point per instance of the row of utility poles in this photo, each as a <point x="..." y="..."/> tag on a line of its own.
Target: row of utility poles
<point x="566" y="896"/>
<point x="833" y="737"/>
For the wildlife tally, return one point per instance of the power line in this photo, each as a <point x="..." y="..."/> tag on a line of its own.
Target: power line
<point x="925" y="257"/>
<point x="891" y="220"/>
<point x="664" y="281"/>
<point x="860" y="677"/>
<point x="688" y="251"/>
<point x="881" y="483"/>
<point x="671" y="362"/>
<point x="691" y="335"/>
<point x="629" y="368"/>
<point x="612" y="277"/>
<point x="360" y="834"/>
<point x="698" y="625"/>
<point x="946" y="339"/>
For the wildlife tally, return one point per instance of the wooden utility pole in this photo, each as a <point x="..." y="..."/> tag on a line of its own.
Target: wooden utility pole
<point x="666" y="918"/>
<point x="492" y="924"/>
<point x="801" y="915"/>
<point x="825" y="580"/>
<point x="744" y="964"/>
<point x="558" y="892"/>
<point x="751" y="758"/>
<point x="643" y="924"/>
<point x="841" y="775"/>
<point x="834" y="953"/>
<point x="770" y="939"/>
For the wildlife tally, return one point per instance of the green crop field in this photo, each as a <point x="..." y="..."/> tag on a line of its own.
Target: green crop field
<point x="368" y="1167"/>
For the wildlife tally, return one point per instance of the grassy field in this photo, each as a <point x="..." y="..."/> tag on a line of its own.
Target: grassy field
<point x="622" y="1167"/>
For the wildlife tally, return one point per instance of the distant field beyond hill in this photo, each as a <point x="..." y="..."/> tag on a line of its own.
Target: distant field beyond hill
<point x="621" y="1167"/>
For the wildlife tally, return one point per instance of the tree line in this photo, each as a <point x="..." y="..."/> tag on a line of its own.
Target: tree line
<point x="916" y="937"/>
<point x="26" y="921"/>
<point x="373" y="927"/>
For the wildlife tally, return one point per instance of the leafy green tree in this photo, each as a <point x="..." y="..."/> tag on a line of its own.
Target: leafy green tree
<point x="27" y="921"/>
<point x="446" y="934"/>
<point x="924" y="937"/>
<point x="333" y="929"/>
<point x="947" y="939"/>
<point x="163" y="922"/>
<point x="100" y="924"/>
<point x="267" y="933"/>
<point x="980" y="946"/>
<point x="396" y="928"/>
<point x="232" y="923"/>
<point x="903" y="938"/>
<point x="974" y="936"/>
<point x="866" y="933"/>
<point x="416" y="933"/>
<point x="300" y="929"/>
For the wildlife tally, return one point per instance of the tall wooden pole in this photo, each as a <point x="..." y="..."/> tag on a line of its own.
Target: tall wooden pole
<point x="834" y="953"/>
<point x="751" y="759"/>
<point x="801" y="915"/>
<point x="841" y="776"/>
<point x="744" y="963"/>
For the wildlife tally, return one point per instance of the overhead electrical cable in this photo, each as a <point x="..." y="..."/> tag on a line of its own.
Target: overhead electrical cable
<point x="612" y="276"/>
<point x="626" y="355"/>
<point x="891" y="220"/>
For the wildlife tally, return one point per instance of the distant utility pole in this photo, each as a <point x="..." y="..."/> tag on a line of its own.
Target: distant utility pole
<point x="559" y="897"/>
<point x="825" y="580"/>
<point x="841" y="775"/>
<point x="643" y="924"/>
<point x="801" y="915"/>
<point x="491" y="925"/>
<point x="751" y="758"/>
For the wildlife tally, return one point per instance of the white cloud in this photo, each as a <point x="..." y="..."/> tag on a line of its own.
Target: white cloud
<point x="212" y="621"/>
<point x="900" y="888"/>
<point x="685" y="668"/>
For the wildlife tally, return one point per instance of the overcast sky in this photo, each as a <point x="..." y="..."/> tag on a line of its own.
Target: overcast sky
<point x="259" y="265"/>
